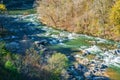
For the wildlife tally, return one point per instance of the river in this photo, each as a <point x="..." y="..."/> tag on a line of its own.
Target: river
<point x="26" y="30"/>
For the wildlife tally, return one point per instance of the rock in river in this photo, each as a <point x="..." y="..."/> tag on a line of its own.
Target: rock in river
<point x="93" y="49"/>
<point x="12" y="46"/>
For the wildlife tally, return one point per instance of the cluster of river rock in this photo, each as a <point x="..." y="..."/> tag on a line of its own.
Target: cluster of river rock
<point x="28" y="31"/>
<point x="96" y="67"/>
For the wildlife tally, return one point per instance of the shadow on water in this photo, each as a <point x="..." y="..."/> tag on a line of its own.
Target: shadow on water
<point x="18" y="4"/>
<point x="20" y="30"/>
<point x="18" y="27"/>
<point x="24" y="32"/>
<point x="66" y="51"/>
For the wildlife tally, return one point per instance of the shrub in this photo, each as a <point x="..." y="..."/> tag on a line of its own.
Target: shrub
<point x="2" y="49"/>
<point x="57" y="62"/>
<point x="32" y="57"/>
<point x="3" y="52"/>
<point x="9" y="65"/>
<point x="2" y="7"/>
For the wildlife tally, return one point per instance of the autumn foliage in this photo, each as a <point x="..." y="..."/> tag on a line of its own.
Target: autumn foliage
<point x="115" y="18"/>
<point x="2" y="8"/>
<point x="82" y="16"/>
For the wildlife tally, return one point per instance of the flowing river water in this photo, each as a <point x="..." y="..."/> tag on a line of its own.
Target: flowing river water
<point x="82" y="49"/>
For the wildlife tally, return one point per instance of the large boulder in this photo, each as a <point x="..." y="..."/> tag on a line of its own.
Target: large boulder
<point x="42" y="42"/>
<point x="12" y="46"/>
<point x="93" y="50"/>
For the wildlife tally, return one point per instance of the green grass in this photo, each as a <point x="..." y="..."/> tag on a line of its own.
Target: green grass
<point x="115" y="68"/>
<point x="78" y="42"/>
<point x="56" y="33"/>
<point x="20" y="12"/>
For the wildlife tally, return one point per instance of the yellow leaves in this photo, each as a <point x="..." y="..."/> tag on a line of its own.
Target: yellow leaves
<point x="83" y="16"/>
<point x="2" y="7"/>
<point x="117" y="30"/>
<point x="115" y="13"/>
<point x="115" y="17"/>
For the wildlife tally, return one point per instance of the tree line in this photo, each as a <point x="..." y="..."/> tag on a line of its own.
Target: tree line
<point x="93" y="17"/>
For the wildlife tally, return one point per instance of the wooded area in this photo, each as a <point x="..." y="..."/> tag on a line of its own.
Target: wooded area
<point x="93" y="17"/>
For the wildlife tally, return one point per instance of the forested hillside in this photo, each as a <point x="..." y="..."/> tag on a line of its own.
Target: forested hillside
<point x="93" y="17"/>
